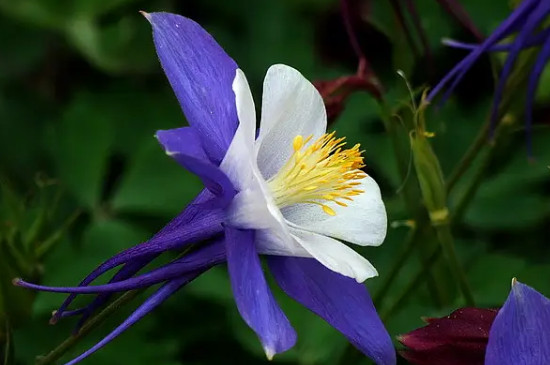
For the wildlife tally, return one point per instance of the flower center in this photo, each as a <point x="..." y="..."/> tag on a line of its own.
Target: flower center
<point x="319" y="173"/>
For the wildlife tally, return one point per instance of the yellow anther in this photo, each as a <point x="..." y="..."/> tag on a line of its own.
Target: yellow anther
<point x="328" y="210"/>
<point x="298" y="142"/>
<point x="319" y="172"/>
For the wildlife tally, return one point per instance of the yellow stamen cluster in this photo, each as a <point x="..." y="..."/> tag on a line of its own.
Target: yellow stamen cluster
<point x="320" y="172"/>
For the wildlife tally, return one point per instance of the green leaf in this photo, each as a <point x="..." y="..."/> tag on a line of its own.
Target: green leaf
<point x="492" y="289"/>
<point x="497" y="207"/>
<point x="120" y="47"/>
<point x="155" y="183"/>
<point x="70" y="263"/>
<point x="57" y="13"/>
<point x="26" y="47"/>
<point x="81" y="145"/>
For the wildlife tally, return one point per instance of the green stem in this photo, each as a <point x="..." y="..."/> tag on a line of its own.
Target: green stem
<point x="447" y="244"/>
<point x="466" y="161"/>
<point x="7" y="357"/>
<point x="397" y="265"/>
<point x="402" y="153"/>
<point x="66" y="345"/>
<point x="399" y="139"/>
<point x="50" y="242"/>
<point x="94" y="321"/>
<point x="475" y="182"/>
<point x="412" y="286"/>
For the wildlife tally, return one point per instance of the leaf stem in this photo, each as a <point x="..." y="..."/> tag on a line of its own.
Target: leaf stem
<point x="447" y="244"/>
<point x="470" y="155"/>
<point x="413" y="284"/>
<point x="8" y="349"/>
<point x="396" y="267"/>
<point x="66" y="345"/>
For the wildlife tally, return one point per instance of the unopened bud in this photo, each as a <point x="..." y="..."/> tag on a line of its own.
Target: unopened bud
<point x="459" y="339"/>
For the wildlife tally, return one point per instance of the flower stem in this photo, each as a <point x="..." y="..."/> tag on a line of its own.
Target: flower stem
<point x="389" y="278"/>
<point x="475" y="182"/>
<point x="470" y="155"/>
<point x="66" y="345"/>
<point x="447" y="244"/>
<point x="412" y="286"/>
<point x="410" y="192"/>
<point x="7" y="350"/>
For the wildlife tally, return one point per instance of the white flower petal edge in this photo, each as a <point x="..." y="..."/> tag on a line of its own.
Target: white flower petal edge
<point x="363" y="221"/>
<point x="335" y="255"/>
<point x="239" y="161"/>
<point x="291" y="106"/>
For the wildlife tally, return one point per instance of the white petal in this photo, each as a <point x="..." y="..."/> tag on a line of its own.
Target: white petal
<point x="239" y="161"/>
<point x="278" y="242"/>
<point x="335" y="255"/>
<point x="249" y="210"/>
<point x="362" y="222"/>
<point x="291" y="105"/>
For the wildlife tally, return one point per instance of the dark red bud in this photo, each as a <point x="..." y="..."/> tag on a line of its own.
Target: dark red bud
<point x="335" y="92"/>
<point x="457" y="339"/>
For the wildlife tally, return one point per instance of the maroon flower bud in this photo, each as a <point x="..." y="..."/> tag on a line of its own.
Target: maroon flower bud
<point x="336" y="91"/>
<point x="457" y="339"/>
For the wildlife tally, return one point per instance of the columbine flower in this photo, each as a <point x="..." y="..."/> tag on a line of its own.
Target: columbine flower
<point x="515" y="334"/>
<point x="526" y="20"/>
<point x="287" y="194"/>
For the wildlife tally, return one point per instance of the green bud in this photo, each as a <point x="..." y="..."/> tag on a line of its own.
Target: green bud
<point x="428" y="170"/>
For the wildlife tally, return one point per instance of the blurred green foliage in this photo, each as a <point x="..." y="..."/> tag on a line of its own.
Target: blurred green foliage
<point x="81" y="95"/>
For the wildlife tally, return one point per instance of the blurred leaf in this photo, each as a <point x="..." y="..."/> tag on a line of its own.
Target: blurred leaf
<point x="81" y="145"/>
<point x="154" y="183"/>
<point x="57" y="13"/>
<point x="499" y="208"/>
<point x="318" y="342"/>
<point x="213" y="285"/>
<point x="123" y="46"/>
<point x="15" y="302"/>
<point x="128" y="348"/>
<point x="455" y="126"/>
<point x="46" y="13"/>
<point x="490" y="277"/>
<point x="21" y="148"/>
<point x="522" y="173"/>
<point x="95" y="8"/>
<point x="159" y="350"/>
<point x="487" y="15"/>
<point x="11" y="214"/>
<point x="532" y="274"/>
<point x="69" y="264"/>
<point x="26" y="48"/>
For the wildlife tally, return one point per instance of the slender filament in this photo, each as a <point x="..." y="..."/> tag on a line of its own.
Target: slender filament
<point x="319" y="172"/>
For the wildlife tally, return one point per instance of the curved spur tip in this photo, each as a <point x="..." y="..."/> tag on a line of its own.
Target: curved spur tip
<point x="17" y="281"/>
<point x="269" y="353"/>
<point x="54" y="319"/>
<point x="146" y="15"/>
